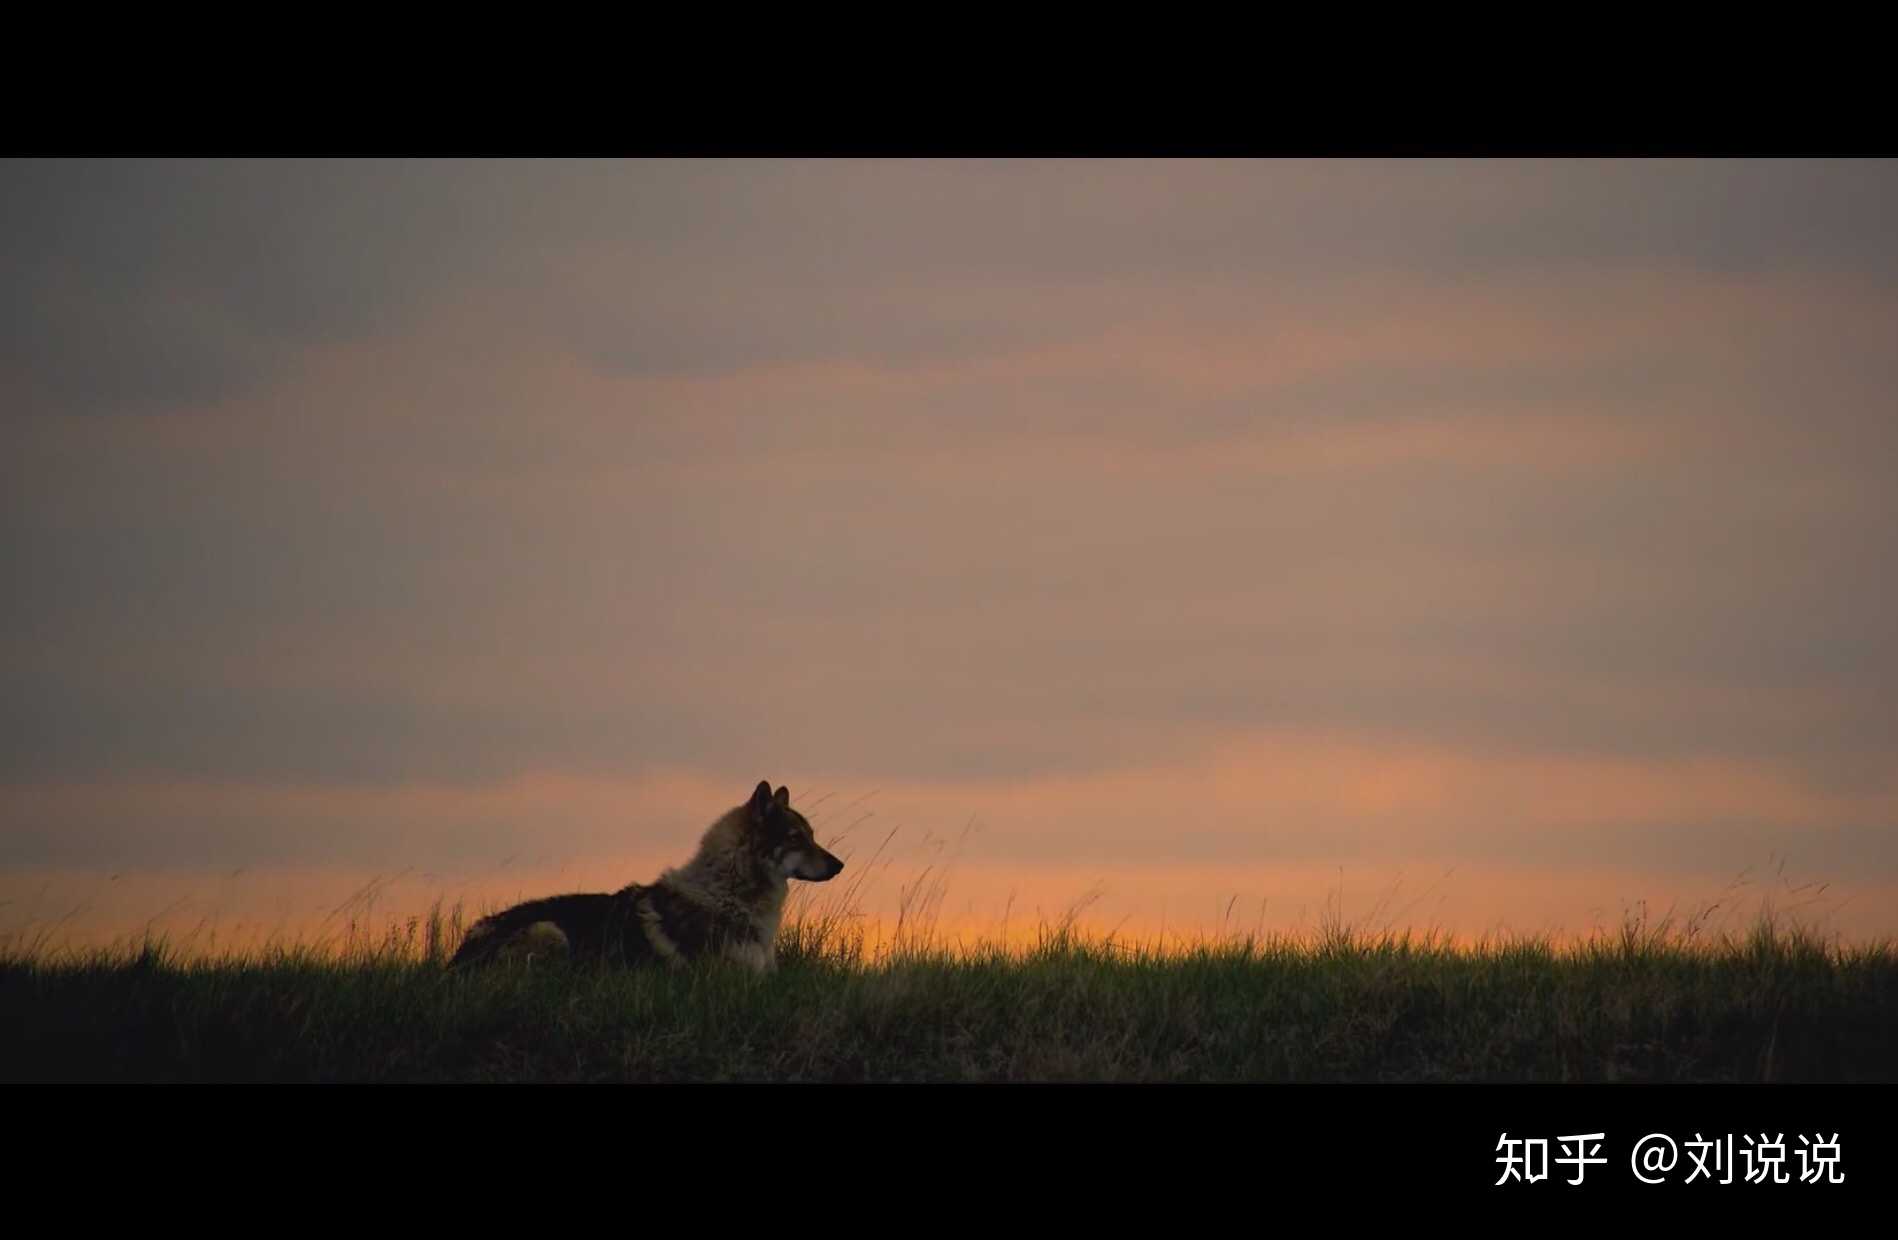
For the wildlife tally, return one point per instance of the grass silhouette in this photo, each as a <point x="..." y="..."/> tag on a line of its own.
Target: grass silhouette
<point x="1663" y="998"/>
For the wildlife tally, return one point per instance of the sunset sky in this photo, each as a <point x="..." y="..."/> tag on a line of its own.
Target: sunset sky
<point x="1516" y="537"/>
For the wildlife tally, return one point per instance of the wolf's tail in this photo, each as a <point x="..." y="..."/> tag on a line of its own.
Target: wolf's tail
<point x="471" y="952"/>
<point x="483" y="940"/>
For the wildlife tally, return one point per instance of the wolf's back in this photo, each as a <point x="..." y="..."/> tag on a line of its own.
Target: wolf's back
<point x="589" y="925"/>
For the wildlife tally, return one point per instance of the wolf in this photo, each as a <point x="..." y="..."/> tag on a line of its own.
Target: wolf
<point x="724" y="903"/>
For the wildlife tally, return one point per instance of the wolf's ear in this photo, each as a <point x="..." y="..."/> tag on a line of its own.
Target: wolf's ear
<point x="783" y="799"/>
<point x="760" y="800"/>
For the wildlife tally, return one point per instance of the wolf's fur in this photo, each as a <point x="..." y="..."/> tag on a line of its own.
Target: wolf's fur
<point x="726" y="901"/>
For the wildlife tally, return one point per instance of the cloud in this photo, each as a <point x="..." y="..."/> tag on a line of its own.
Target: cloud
<point x="945" y="473"/>
<point x="1255" y="800"/>
<point x="166" y="284"/>
<point x="399" y="571"/>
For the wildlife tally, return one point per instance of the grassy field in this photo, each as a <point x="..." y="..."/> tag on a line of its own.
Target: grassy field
<point x="1649" y="1003"/>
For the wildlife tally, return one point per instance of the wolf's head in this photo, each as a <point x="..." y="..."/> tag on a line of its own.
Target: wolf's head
<point x="783" y="836"/>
